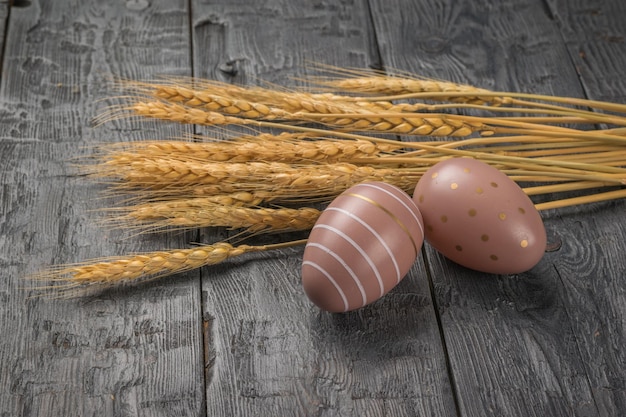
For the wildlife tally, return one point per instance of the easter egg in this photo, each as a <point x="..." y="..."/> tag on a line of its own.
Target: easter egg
<point x="478" y="217"/>
<point x="361" y="246"/>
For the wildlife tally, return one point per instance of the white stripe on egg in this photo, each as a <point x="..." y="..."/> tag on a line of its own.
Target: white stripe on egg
<point x="356" y="246"/>
<point x="345" y="265"/>
<point x="376" y="234"/>
<point x="332" y="281"/>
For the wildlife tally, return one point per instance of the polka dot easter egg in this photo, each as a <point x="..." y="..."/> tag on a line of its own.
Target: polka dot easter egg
<point x="479" y="218"/>
<point x="361" y="246"/>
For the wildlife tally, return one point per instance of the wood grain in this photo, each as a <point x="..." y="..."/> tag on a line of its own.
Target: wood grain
<point x="132" y="352"/>
<point x="271" y="350"/>
<point x="595" y="38"/>
<point x="591" y="269"/>
<point x="4" y="16"/>
<point x="241" y="338"/>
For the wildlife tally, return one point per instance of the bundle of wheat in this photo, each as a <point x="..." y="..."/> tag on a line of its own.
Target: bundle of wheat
<point x="268" y="182"/>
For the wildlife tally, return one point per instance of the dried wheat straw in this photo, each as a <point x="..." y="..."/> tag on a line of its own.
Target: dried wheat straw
<point x="528" y="100"/>
<point x="586" y="199"/>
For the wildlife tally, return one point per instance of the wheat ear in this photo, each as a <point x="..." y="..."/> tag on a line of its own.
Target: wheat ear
<point x="394" y="85"/>
<point x="255" y="102"/>
<point x="98" y="274"/>
<point x="427" y="124"/>
<point x="267" y="104"/>
<point x="283" y="181"/>
<point x="201" y="212"/>
<point x="292" y="148"/>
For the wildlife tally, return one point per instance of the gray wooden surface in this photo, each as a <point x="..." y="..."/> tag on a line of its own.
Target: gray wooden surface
<point x="240" y="339"/>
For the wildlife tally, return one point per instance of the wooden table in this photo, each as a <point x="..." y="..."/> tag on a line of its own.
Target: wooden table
<point x="241" y="339"/>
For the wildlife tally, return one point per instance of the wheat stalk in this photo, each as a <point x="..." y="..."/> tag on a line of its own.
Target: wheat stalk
<point x="427" y="124"/>
<point x="391" y="85"/>
<point x="181" y="174"/>
<point x="285" y="181"/>
<point x="220" y="97"/>
<point x="432" y="124"/>
<point x="203" y="212"/>
<point x="98" y="274"/>
<point x="286" y="147"/>
<point x="273" y="104"/>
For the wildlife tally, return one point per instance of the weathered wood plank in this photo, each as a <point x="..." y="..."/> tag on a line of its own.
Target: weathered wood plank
<point x="482" y="44"/>
<point x="595" y="37"/>
<point x="592" y="268"/>
<point x="514" y="342"/>
<point x="121" y="353"/>
<point x="4" y="15"/>
<point x="271" y="351"/>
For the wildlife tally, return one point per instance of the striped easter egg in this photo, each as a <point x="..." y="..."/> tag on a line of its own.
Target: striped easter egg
<point x="362" y="245"/>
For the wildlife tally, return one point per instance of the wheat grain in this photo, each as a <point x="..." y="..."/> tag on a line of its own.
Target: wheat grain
<point x="222" y="103"/>
<point x="422" y="125"/>
<point x="203" y="212"/>
<point x="181" y="114"/>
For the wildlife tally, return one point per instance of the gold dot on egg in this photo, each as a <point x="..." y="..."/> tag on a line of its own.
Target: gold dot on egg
<point x="459" y="248"/>
<point x="434" y="175"/>
<point x="521" y="210"/>
<point x="502" y="216"/>
<point x="479" y="190"/>
<point x="494" y="184"/>
<point x="429" y="228"/>
<point x="466" y="170"/>
<point x="493" y="257"/>
<point x="524" y="243"/>
<point x="444" y="218"/>
<point x="421" y="198"/>
<point x="484" y="238"/>
<point x="454" y="186"/>
<point x="472" y="212"/>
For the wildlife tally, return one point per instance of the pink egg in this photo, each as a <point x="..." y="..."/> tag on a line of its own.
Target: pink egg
<point x="362" y="245"/>
<point x="479" y="218"/>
